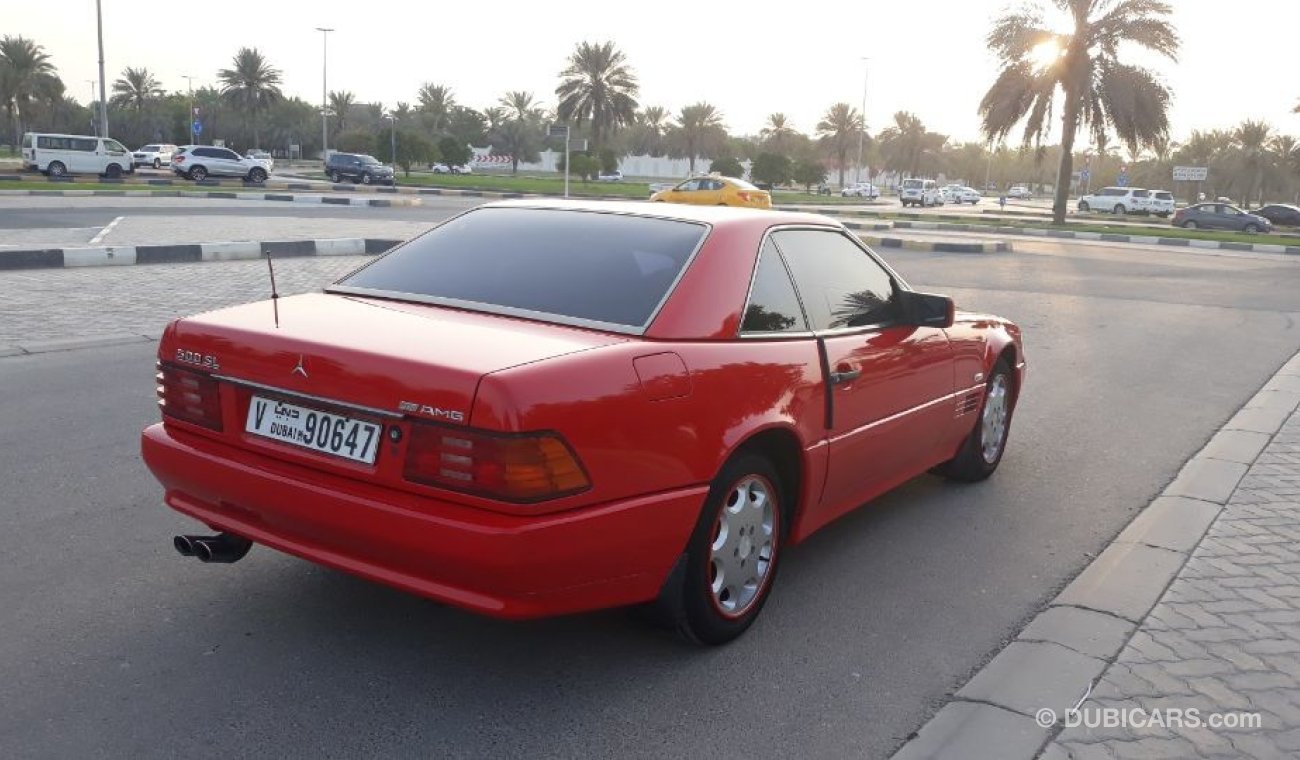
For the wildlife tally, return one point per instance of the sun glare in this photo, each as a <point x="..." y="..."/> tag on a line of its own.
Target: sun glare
<point x="1045" y="54"/>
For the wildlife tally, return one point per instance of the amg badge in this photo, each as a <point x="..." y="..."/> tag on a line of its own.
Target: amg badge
<point x="432" y="411"/>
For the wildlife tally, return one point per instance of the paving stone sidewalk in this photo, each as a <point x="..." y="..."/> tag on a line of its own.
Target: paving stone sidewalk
<point x="1225" y="637"/>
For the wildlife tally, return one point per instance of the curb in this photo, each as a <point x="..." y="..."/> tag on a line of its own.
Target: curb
<point x="937" y="246"/>
<point x="128" y="255"/>
<point x="228" y="195"/>
<point x="950" y="223"/>
<point x="74" y="344"/>
<point x="1075" y="639"/>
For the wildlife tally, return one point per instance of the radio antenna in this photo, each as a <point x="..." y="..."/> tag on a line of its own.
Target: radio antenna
<point x="275" y="296"/>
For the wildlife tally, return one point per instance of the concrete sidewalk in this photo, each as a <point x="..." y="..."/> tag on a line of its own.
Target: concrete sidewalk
<point x="1182" y="639"/>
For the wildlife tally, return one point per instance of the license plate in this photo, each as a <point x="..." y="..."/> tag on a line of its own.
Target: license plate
<point x="328" y="433"/>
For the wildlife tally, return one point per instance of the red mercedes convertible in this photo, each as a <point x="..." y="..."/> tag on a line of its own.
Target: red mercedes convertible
<point x="543" y="407"/>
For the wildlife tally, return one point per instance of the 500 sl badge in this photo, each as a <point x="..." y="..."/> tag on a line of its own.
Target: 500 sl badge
<point x="207" y="361"/>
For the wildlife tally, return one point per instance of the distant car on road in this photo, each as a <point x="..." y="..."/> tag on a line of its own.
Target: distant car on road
<point x="861" y="190"/>
<point x="1160" y="203"/>
<point x="445" y="169"/>
<point x="1020" y="193"/>
<point x="156" y="155"/>
<point x="1115" y="200"/>
<point x="260" y="155"/>
<point x="1220" y="216"/>
<point x="1282" y="214"/>
<point x="58" y="155"/>
<point x="920" y="192"/>
<point x="544" y="407"/>
<point x="199" y="162"/>
<point x="358" y="167"/>
<point x="715" y="190"/>
<point x="614" y="176"/>
<point x="960" y="194"/>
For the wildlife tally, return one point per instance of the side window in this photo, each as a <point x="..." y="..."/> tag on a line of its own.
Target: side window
<point x="44" y="143"/>
<point x="115" y="146"/>
<point x="841" y="285"/>
<point x="229" y="155"/>
<point x="693" y="184"/>
<point x="206" y="152"/>
<point x="81" y="143"/>
<point x="773" y="306"/>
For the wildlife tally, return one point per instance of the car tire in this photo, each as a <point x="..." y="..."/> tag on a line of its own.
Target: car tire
<point x="1084" y="207"/>
<point x="1250" y="229"/>
<point x="157" y="163"/>
<point x="975" y="460"/>
<point x="112" y="171"/>
<point x="56" y="169"/>
<point x="198" y="173"/>
<point x="1119" y="209"/>
<point x="257" y="174"/>
<point x="744" y="511"/>
<point x="1190" y="225"/>
<point x="335" y="177"/>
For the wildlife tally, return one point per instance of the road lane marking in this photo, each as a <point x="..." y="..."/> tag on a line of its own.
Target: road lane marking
<point x="97" y="239"/>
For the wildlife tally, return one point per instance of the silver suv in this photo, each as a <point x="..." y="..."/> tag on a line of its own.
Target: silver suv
<point x="156" y="155"/>
<point x="198" y="162"/>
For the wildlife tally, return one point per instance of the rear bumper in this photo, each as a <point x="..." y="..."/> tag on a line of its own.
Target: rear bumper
<point x="501" y="565"/>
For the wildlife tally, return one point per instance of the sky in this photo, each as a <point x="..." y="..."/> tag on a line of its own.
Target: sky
<point x="748" y="59"/>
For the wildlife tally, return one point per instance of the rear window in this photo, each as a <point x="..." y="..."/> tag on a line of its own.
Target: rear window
<point x="912" y="184"/>
<point x="149" y="149"/>
<point x="579" y="266"/>
<point x="1163" y="196"/>
<point x="27" y="141"/>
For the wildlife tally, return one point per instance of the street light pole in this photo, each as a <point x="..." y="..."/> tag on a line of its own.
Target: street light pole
<point x="862" y="133"/>
<point x="90" y="104"/>
<point x="392" y="152"/>
<point x="103" y="104"/>
<point x="324" y="93"/>
<point x="190" y="80"/>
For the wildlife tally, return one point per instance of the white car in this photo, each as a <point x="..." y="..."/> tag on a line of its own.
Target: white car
<point x="1020" y="192"/>
<point x="445" y="169"/>
<point x="614" y="176"/>
<point x="960" y="194"/>
<point x="58" y="155"/>
<point x="1160" y="203"/>
<point x="920" y="192"/>
<point x="861" y="190"/>
<point x="156" y="155"/>
<point x="198" y="162"/>
<point x="1115" y="200"/>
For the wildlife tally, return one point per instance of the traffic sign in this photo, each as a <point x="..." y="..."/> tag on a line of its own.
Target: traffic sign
<point x="1122" y="180"/>
<point x="198" y="127"/>
<point x="1083" y="173"/>
<point x="558" y="130"/>
<point x="578" y="144"/>
<point x="1191" y="173"/>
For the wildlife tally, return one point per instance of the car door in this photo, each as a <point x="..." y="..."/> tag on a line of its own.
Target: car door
<point x="888" y="380"/>
<point x="686" y="192"/>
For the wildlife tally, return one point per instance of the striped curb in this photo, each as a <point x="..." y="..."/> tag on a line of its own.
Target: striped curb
<point x="1068" y="645"/>
<point x="225" y="195"/>
<point x="939" y="246"/>
<point x="129" y="255"/>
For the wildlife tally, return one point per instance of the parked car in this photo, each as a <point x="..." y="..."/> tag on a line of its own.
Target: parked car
<point x="715" y="190"/>
<point x="198" y="162"/>
<point x="57" y="155"/>
<point x="1115" y="200"/>
<point x="960" y="194"/>
<point x="1220" y="216"/>
<point x="1281" y="214"/>
<point x="467" y="418"/>
<point x="614" y="176"/>
<point x="156" y="155"/>
<point x="260" y="155"/>
<point x="920" y="192"/>
<point x="358" y="167"/>
<point x="1020" y="193"/>
<point x="860" y="190"/>
<point x="1159" y="202"/>
<point x="445" y="169"/>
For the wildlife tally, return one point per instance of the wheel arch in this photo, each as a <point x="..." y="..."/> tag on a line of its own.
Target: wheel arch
<point x="781" y="446"/>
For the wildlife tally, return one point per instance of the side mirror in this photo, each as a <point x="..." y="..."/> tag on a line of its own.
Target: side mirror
<point x="927" y="309"/>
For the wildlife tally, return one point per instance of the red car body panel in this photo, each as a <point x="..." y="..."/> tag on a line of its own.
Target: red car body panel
<point x="652" y="418"/>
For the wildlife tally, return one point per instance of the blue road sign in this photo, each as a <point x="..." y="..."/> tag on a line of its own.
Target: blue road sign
<point x="1122" y="180"/>
<point x="198" y="127"/>
<point x="1083" y="174"/>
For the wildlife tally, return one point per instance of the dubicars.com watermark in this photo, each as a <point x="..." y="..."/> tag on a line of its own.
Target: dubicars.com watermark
<point x="1139" y="718"/>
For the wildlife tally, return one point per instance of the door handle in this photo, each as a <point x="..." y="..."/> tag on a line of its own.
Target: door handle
<point x="846" y="376"/>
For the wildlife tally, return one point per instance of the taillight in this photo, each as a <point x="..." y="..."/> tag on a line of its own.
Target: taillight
<point x="744" y="196"/>
<point x="521" y="468"/>
<point x="178" y="159"/>
<point x="190" y="396"/>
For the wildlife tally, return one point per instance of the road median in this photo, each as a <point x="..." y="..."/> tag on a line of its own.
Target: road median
<point x="131" y="255"/>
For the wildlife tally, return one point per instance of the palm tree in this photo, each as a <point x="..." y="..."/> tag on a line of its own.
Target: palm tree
<point x="25" y="73"/>
<point x="699" y="128"/>
<point x="340" y="103"/>
<point x="135" y="88"/>
<point x="1286" y="160"/>
<point x="777" y="133"/>
<point x="839" y="130"/>
<point x="905" y="143"/>
<point x="518" y="104"/>
<point x="251" y="85"/>
<point x="1094" y="87"/>
<point x="597" y="85"/>
<point x="436" y="103"/>
<point x="646" y="136"/>
<point x="496" y="116"/>
<point x="1252" y="140"/>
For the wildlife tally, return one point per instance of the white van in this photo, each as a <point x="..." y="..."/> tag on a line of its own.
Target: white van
<point x="920" y="192"/>
<point x="57" y="155"/>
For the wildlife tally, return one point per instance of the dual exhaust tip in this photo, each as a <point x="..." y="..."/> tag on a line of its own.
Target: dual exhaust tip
<point x="223" y="548"/>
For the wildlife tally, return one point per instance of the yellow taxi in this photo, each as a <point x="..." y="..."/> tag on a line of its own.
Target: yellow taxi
<point x="715" y="190"/>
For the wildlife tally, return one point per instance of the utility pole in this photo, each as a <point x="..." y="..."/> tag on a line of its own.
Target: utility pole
<point x="103" y="101"/>
<point x="392" y="154"/>
<point x="862" y="133"/>
<point x="94" y="122"/>
<point x="324" y="93"/>
<point x="190" y="80"/>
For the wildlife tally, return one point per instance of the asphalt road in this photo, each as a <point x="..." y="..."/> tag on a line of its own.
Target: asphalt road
<point x="114" y="646"/>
